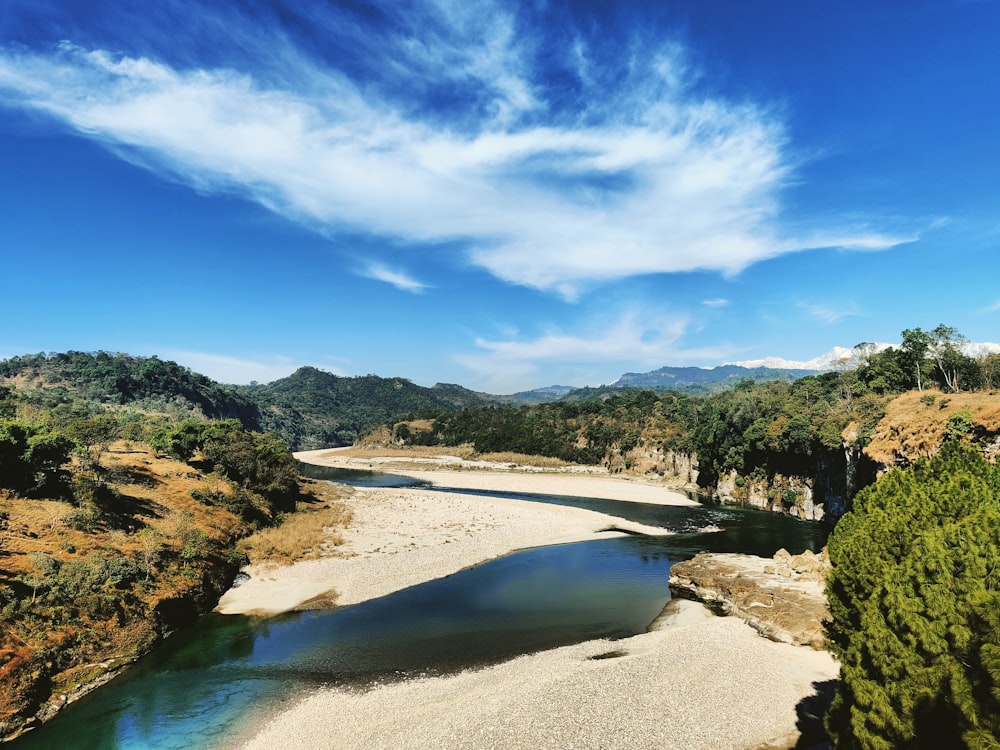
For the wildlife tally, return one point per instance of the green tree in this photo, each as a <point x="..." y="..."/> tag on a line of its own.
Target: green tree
<point x="953" y="367"/>
<point x="180" y="439"/>
<point x="989" y="368"/>
<point x="14" y="469"/>
<point x="884" y="371"/>
<point x="916" y="344"/>
<point x="914" y="597"/>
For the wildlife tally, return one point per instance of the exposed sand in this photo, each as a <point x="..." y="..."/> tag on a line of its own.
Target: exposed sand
<point x="400" y="537"/>
<point x="696" y="681"/>
<point x="450" y="471"/>
<point x="709" y="685"/>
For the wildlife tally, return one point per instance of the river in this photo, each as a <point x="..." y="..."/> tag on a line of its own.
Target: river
<point x="205" y="686"/>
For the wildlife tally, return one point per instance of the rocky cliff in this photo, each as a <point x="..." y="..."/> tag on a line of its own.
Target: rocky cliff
<point x="824" y="495"/>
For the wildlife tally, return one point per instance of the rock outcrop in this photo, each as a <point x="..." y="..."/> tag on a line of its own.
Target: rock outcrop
<point x="782" y="598"/>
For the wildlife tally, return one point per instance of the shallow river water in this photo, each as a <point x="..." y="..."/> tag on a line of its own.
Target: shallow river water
<point x="201" y="687"/>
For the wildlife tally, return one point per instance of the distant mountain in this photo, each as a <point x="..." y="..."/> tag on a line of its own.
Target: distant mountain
<point x="698" y="380"/>
<point x="538" y="396"/>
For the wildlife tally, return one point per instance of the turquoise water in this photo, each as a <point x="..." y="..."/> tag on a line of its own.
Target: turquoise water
<point x="198" y="688"/>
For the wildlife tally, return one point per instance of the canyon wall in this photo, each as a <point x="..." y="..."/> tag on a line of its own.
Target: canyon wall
<point x="824" y="494"/>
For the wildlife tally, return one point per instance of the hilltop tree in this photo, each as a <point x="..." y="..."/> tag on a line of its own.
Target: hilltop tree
<point x="916" y="343"/>
<point x="954" y="367"/>
<point x="915" y="599"/>
<point x="989" y="368"/>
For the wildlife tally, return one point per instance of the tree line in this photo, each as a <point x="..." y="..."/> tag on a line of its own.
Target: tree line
<point x="760" y="428"/>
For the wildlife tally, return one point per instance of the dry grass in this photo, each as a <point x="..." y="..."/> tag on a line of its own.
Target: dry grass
<point x="302" y="536"/>
<point x="522" y="459"/>
<point x="311" y="532"/>
<point x="915" y="423"/>
<point x="419" y="425"/>
<point x="407" y="451"/>
<point x="155" y="491"/>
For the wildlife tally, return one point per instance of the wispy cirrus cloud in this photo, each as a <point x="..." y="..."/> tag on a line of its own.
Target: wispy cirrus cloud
<point x="556" y="168"/>
<point x="715" y="302"/>
<point x="399" y="279"/>
<point x="827" y="314"/>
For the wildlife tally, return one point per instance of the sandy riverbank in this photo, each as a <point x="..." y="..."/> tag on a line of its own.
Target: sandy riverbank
<point x="451" y="471"/>
<point x="400" y="537"/>
<point x="696" y="681"/>
<point x="708" y="685"/>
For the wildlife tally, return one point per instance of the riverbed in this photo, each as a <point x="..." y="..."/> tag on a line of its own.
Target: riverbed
<point x="218" y="684"/>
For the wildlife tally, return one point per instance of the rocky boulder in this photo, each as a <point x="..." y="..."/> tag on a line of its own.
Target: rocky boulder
<point x="782" y="598"/>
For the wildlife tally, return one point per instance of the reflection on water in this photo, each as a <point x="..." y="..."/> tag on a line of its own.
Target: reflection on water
<point x="357" y="477"/>
<point x="195" y="689"/>
<point x="746" y="530"/>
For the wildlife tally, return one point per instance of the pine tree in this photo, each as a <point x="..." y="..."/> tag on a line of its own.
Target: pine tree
<point x="915" y="603"/>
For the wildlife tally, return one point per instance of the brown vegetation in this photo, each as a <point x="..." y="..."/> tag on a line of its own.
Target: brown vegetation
<point x="916" y="423"/>
<point x="314" y="531"/>
<point x="86" y="589"/>
<point x="372" y="445"/>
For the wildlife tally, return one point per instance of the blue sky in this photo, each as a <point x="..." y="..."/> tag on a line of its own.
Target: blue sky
<point x="502" y="195"/>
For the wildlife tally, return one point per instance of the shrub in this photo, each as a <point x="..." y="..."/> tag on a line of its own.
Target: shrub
<point x="915" y="602"/>
<point x="959" y="425"/>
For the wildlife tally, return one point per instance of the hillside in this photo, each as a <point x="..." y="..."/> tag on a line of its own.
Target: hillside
<point x="308" y="409"/>
<point x="147" y="384"/>
<point x="918" y="422"/>
<point x="117" y="528"/>
<point x="315" y="409"/>
<point x="703" y="380"/>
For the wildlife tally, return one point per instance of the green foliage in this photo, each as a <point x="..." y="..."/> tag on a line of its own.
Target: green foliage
<point x="955" y="370"/>
<point x="8" y="404"/>
<point x="914" y="595"/>
<point x="959" y="425"/>
<point x="315" y="409"/>
<point x="257" y="462"/>
<point x="989" y="369"/>
<point x="32" y="458"/>
<point x="195" y="544"/>
<point x="148" y="382"/>
<point x="180" y="439"/>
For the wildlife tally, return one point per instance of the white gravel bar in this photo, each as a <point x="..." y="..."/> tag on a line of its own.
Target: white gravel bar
<point x="709" y="685"/>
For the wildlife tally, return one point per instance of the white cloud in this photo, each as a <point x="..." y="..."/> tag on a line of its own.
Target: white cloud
<point x="227" y="369"/>
<point x="635" y="337"/>
<point x="995" y="307"/>
<point x="642" y="177"/>
<point x="398" y="279"/>
<point x="717" y="302"/>
<point x="827" y="314"/>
